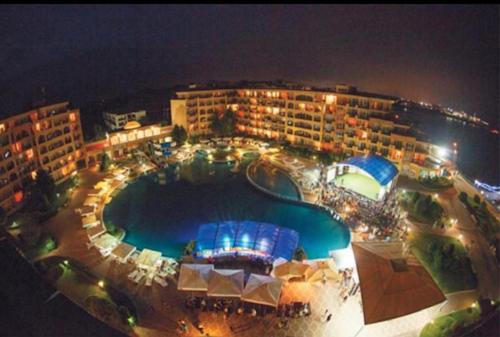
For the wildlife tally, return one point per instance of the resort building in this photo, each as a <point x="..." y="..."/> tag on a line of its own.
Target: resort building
<point x="48" y="138"/>
<point x="342" y="120"/>
<point x="120" y="143"/>
<point x="117" y="120"/>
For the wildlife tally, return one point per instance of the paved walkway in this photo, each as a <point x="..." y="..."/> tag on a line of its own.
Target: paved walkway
<point x="483" y="260"/>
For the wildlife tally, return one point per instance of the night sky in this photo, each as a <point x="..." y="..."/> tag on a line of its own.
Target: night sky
<point x="442" y="54"/>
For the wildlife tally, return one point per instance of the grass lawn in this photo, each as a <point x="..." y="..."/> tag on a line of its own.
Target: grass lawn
<point x="451" y="274"/>
<point x="359" y="183"/>
<point x="445" y="325"/>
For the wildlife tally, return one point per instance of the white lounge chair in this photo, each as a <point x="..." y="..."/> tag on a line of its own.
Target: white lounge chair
<point x="133" y="274"/>
<point x="139" y="276"/>
<point x="149" y="280"/>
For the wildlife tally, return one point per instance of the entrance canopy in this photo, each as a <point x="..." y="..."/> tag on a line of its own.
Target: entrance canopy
<point x="379" y="168"/>
<point x="225" y="282"/>
<point x="262" y="289"/>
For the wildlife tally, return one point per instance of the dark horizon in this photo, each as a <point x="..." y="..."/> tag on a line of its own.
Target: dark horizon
<point x="438" y="54"/>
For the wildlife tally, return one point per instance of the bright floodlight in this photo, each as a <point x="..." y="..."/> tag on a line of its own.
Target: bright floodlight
<point x="442" y="152"/>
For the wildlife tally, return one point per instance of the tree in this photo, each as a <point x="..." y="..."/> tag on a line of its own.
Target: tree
<point x="463" y="197"/>
<point x="30" y="230"/>
<point x="99" y="132"/>
<point x="477" y="199"/>
<point x="224" y="125"/>
<point x="3" y="215"/>
<point x="188" y="250"/>
<point x="105" y="162"/>
<point x="46" y="184"/>
<point x="179" y="134"/>
<point x="300" y="254"/>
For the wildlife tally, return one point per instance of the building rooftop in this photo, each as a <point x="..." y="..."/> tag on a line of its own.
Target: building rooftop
<point x="393" y="282"/>
<point x="381" y="169"/>
<point x="278" y="84"/>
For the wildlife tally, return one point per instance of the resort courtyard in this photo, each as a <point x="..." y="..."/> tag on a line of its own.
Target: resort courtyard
<point x="334" y="304"/>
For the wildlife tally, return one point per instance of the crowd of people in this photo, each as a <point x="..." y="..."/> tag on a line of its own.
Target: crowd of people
<point x="381" y="220"/>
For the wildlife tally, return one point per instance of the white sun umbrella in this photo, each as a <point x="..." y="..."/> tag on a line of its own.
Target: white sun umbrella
<point x="279" y="261"/>
<point x="225" y="282"/>
<point x="194" y="277"/>
<point x="262" y="289"/>
<point x="321" y="270"/>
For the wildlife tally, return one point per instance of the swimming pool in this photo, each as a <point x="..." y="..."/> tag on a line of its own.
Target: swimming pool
<point x="165" y="217"/>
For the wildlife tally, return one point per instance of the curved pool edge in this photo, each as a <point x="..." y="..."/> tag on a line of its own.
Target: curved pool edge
<point x="274" y="194"/>
<point x="303" y="201"/>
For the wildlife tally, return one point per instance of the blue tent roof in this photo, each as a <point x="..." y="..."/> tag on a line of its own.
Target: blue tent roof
<point x="378" y="167"/>
<point x="267" y="238"/>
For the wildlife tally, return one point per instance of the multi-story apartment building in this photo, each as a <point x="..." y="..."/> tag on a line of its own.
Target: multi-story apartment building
<point x="117" y="120"/>
<point x="341" y="120"/>
<point x="49" y="138"/>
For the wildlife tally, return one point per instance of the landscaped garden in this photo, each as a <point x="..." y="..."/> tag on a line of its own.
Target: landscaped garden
<point x="436" y="183"/>
<point x="486" y="222"/>
<point x="467" y="322"/>
<point x="422" y="208"/>
<point x="446" y="260"/>
<point x="446" y="325"/>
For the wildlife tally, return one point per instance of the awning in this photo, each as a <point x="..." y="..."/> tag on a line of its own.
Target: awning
<point x="262" y="289"/>
<point x="225" y="282"/>
<point x="194" y="277"/>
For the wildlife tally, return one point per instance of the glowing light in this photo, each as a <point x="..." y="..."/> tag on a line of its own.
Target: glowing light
<point x="442" y="152"/>
<point x="245" y="239"/>
<point x="100" y="284"/>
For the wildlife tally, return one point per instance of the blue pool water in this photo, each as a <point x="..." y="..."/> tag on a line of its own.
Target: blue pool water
<point x="166" y="217"/>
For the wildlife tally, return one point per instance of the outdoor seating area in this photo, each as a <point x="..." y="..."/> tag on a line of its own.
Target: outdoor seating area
<point x="153" y="267"/>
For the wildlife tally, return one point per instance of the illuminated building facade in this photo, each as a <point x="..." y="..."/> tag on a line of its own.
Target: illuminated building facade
<point x="120" y="143"/>
<point x="49" y="138"/>
<point x="342" y="120"/>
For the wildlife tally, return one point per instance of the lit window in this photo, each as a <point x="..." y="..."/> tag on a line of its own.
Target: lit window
<point x="72" y="117"/>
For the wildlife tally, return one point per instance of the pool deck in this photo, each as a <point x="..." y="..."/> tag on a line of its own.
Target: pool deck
<point x="160" y="308"/>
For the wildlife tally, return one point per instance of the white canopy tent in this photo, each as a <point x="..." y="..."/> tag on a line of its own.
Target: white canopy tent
<point x="91" y="201"/>
<point x="262" y="289"/>
<point x="94" y="232"/>
<point x="89" y="221"/>
<point x="194" y="277"/>
<point x="123" y="251"/>
<point x="106" y="243"/>
<point x="87" y="210"/>
<point x="148" y="259"/>
<point x="226" y="282"/>
<point x="289" y="270"/>
<point x="321" y="270"/>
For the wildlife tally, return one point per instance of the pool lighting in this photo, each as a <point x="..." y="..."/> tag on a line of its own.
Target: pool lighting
<point x="100" y="284"/>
